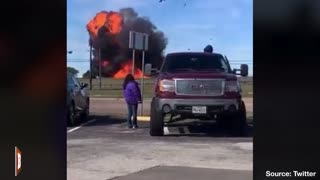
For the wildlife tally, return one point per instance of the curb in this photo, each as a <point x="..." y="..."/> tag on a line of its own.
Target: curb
<point x="143" y="118"/>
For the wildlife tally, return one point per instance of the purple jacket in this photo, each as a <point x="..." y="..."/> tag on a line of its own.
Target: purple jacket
<point x="132" y="93"/>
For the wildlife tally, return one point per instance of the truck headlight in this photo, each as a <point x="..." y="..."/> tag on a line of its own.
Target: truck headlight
<point x="232" y="86"/>
<point x="166" y="85"/>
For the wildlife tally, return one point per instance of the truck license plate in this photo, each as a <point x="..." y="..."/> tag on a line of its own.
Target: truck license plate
<point x="199" y="109"/>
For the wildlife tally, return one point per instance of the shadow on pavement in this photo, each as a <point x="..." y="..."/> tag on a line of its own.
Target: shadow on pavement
<point x="192" y="128"/>
<point x="187" y="173"/>
<point x="205" y="129"/>
<point x="105" y="120"/>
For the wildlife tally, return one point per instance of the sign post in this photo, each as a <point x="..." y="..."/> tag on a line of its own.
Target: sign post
<point x="138" y="41"/>
<point x="91" y="73"/>
<point x="100" y="68"/>
<point x="142" y="83"/>
<point x="133" y="60"/>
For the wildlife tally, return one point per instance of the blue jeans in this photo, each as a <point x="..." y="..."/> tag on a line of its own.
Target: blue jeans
<point x="132" y="112"/>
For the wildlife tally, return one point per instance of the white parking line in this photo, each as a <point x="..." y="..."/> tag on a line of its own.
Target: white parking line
<point x="78" y="127"/>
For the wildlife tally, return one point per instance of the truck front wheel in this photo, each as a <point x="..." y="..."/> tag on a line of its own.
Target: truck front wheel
<point x="239" y="125"/>
<point x="156" y="121"/>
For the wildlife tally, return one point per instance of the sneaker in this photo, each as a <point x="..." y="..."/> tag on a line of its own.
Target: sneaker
<point x="135" y="127"/>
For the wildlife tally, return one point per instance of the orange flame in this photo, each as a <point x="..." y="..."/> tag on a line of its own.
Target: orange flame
<point x="111" y="20"/>
<point x="126" y="68"/>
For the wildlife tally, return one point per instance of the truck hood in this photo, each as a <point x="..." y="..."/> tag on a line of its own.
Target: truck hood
<point x="197" y="74"/>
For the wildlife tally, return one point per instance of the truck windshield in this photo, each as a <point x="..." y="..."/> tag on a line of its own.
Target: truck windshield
<point x="195" y="62"/>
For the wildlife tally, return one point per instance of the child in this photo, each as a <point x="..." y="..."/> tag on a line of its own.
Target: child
<point x="132" y="95"/>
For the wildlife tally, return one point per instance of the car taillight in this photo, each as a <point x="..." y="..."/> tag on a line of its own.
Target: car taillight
<point x="166" y="85"/>
<point x="232" y="86"/>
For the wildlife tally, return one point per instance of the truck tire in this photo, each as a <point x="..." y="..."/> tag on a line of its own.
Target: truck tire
<point x="156" y="122"/>
<point x="239" y="125"/>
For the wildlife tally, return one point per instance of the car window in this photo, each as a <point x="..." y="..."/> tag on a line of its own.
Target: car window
<point x="70" y="81"/>
<point x="76" y="82"/>
<point x="195" y="62"/>
<point x="224" y="64"/>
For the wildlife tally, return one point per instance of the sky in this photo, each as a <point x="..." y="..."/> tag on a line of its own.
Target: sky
<point x="188" y="24"/>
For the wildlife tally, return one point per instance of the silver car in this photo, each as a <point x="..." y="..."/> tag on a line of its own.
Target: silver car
<point x="78" y="101"/>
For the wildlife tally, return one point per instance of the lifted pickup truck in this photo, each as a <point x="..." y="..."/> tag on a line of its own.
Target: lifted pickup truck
<point x="198" y="85"/>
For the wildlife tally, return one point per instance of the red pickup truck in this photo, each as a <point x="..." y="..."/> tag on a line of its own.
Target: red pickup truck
<point x="198" y="85"/>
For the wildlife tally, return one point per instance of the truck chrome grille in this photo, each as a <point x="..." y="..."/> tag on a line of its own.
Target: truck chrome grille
<point x="200" y="87"/>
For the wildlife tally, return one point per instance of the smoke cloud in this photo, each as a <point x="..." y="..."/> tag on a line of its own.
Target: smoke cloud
<point x="114" y="46"/>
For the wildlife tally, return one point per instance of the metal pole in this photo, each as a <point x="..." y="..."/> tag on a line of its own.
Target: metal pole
<point x="91" y="73"/>
<point x="100" y="68"/>
<point x="142" y="83"/>
<point x="133" y="59"/>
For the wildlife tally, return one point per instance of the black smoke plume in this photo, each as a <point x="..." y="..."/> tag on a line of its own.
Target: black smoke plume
<point x="115" y="48"/>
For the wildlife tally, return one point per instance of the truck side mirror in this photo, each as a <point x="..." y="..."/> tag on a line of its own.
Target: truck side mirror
<point x="147" y="69"/>
<point x="244" y="70"/>
<point x="83" y="85"/>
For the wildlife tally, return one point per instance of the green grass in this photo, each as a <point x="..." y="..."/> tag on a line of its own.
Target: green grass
<point x="112" y="88"/>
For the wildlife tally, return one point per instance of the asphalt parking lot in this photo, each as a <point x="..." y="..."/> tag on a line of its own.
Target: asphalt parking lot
<point x="104" y="149"/>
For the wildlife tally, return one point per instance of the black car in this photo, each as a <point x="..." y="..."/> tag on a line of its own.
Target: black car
<point x="78" y="100"/>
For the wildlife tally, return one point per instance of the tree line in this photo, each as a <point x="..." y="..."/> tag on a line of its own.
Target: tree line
<point x="75" y="72"/>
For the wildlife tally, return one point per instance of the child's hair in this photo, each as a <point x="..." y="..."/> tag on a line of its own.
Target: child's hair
<point x="127" y="79"/>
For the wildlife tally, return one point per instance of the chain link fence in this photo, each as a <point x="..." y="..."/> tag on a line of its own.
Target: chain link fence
<point x="85" y="62"/>
<point x="112" y="88"/>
